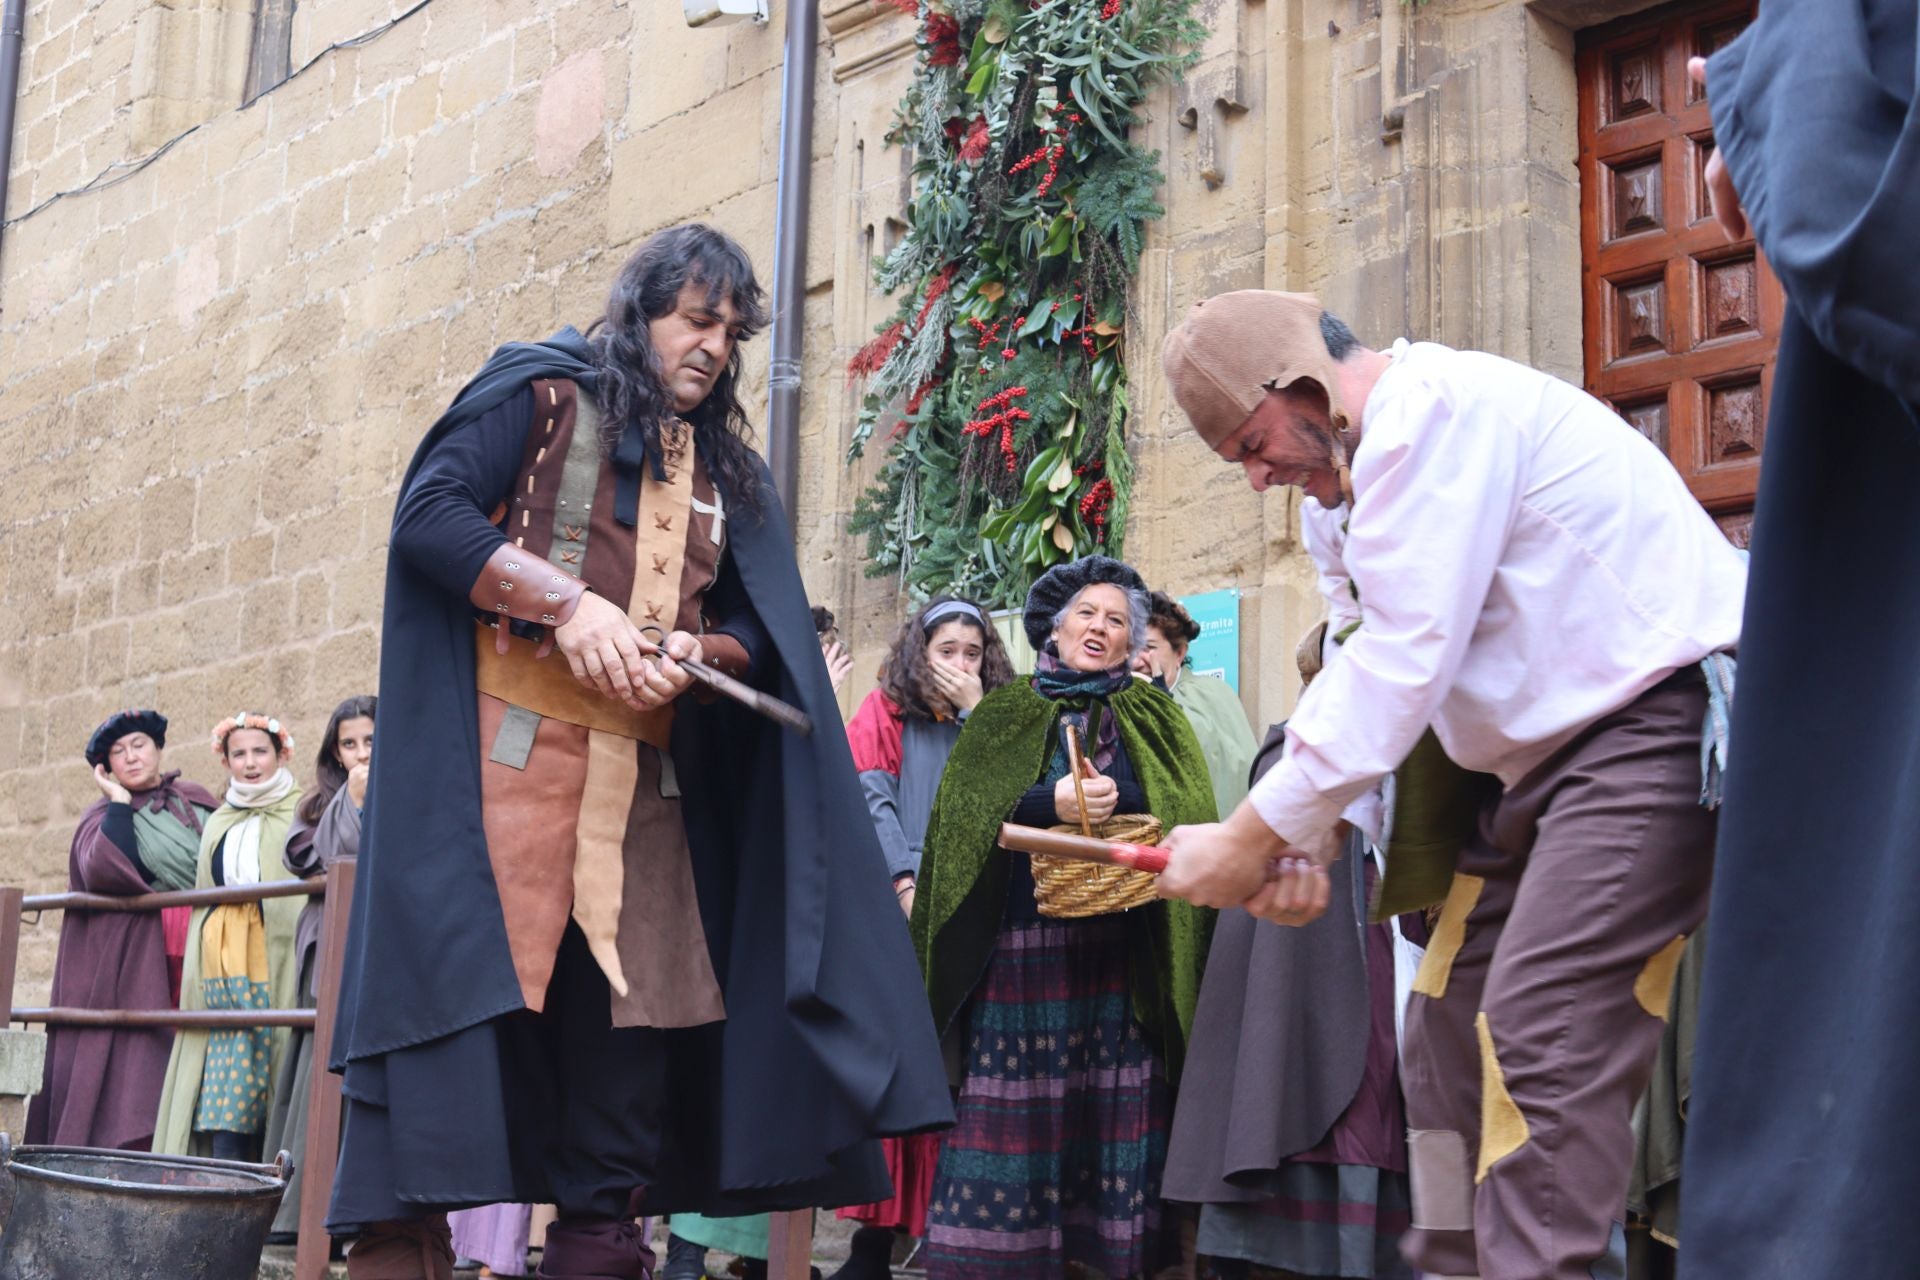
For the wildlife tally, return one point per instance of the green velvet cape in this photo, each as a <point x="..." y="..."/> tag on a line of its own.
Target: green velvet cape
<point x="961" y="896"/>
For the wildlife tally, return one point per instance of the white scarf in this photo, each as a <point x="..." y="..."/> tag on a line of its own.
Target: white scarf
<point x="240" y="851"/>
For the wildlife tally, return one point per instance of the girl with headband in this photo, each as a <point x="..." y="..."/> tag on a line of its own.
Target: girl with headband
<point x="943" y="661"/>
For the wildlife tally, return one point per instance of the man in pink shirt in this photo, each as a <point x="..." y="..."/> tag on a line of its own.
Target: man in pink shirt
<point x="1538" y="587"/>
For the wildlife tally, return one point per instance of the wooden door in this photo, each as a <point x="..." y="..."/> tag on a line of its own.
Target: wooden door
<point x="1680" y="324"/>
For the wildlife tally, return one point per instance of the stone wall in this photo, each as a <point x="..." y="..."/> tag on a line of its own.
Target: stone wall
<point x="213" y="371"/>
<point x="214" y="366"/>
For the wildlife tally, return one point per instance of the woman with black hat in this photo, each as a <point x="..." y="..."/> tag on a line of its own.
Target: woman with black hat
<point x="1063" y="1002"/>
<point x="142" y="836"/>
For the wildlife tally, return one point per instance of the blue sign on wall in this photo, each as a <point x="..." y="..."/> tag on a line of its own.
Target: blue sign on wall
<point x="1217" y="651"/>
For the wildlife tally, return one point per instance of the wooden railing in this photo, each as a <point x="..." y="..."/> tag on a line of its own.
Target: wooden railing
<point x="790" y="1236"/>
<point x="323" y="1102"/>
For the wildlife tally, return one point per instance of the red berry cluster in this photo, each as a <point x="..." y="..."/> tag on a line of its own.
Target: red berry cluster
<point x="987" y="332"/>
<point x="1051" y="152"/>
<point x="1109" y="10"/>
<point x="1084" y="332"/>
<point x="999" y="414"/>
<point x="1093" y="506"/>
<point x="1048" y="151"/>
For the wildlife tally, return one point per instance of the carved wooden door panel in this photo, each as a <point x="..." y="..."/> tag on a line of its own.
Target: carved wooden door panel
<point x="1680" y="325"/>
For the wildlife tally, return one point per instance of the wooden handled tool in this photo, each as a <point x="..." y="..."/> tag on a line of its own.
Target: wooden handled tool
<point x="1139" y="857"/>
<point x="1076" y="761"/>
<point x="781" y="713"/>
<point x="1150" y="858"/>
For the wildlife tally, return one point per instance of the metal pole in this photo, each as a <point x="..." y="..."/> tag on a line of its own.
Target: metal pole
<point x="200" y="1019"/>
<point x="138" y="902"/>
<point x="790" y="250"/>
<point x="13" y="23"/>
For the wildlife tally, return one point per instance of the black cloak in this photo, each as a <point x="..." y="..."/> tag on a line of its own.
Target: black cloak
<point x="828" y="1042"/>
<point x="1803" y="1143"/>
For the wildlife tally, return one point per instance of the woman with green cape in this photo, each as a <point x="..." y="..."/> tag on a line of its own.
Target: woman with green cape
<point x="1065" y="1034"/>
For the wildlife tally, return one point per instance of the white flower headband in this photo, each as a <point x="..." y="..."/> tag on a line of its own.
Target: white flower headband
<point x="251" y="720"/>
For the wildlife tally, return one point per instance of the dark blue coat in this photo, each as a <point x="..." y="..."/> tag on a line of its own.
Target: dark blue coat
<point x="828" y="1041"/>
<point x="1803" y="1143"/>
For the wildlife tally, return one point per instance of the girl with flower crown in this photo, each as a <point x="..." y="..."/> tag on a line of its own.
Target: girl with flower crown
<point x="239" y="955"/>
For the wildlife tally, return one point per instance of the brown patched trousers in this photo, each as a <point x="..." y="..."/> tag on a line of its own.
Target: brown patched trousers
<point x="1537" y="1011"/>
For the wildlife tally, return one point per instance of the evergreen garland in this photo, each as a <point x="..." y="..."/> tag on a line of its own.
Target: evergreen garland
<point x="999" y="387"/>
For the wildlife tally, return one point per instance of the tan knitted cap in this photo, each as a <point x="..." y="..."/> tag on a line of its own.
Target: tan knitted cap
<point x="1231" y="348"/>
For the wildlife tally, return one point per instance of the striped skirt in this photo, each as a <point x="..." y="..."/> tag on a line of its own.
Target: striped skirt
<point x="1319" y="1220"/>
<point x="1062" y="1120"/>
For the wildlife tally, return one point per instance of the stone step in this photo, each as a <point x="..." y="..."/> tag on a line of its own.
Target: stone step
<point x="830" y="1251"/>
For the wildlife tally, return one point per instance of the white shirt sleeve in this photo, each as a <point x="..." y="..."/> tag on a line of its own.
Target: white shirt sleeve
<point x="1323" y="533"/>
<point x="1437" y="492"/>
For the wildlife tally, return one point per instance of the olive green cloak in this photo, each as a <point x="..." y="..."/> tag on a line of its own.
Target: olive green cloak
<point x="962" y="888"/>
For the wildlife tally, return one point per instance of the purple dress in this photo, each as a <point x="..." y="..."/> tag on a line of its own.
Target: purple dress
<point x="494" y="1235"/>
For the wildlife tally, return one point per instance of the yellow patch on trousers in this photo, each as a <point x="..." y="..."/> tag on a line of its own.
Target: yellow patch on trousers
<point x="1654" y="987"/>
<point x="1503" y="1130"/>
<point x="1436" y="966"/>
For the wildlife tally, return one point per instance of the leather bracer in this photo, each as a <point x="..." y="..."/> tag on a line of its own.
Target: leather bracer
<point x="526" y="588"/>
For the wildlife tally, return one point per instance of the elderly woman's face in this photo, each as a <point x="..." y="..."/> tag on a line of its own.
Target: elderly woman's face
<point x="1093" y="635"/>
<point x="134" y="761"/>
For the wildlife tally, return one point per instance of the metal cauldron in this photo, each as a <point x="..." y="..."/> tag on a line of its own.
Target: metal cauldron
<point x="80" y="1213"/>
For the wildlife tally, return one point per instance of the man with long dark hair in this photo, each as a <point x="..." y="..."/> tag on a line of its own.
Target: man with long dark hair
<point x="613" y="947"/>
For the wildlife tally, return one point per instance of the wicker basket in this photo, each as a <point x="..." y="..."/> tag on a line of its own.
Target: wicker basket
<point x="1068" y="889"/>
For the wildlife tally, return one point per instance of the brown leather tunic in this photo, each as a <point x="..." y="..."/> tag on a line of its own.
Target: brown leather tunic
<point x="579" y="800"/>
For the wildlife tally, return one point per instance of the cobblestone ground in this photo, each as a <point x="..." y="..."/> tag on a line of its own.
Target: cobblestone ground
<point x="829" y="1251"/>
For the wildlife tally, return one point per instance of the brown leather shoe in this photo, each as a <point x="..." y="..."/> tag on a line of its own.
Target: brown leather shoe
<point x="403" y="1249"/>
<point x="596" y="1249"/>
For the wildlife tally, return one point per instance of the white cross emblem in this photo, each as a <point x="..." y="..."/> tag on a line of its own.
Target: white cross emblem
<point x="719" y="513"/>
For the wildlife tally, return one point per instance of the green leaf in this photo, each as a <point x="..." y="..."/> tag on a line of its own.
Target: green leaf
<point x="1036" y="319"/>
<point x="1039" y="471"/>
<point x="977" y="84"/>
<point x="1091" y="112"/>
<point x="1105" y="368"/>
<point x="1059" y="237"/>
<point x="1033" y="545"/>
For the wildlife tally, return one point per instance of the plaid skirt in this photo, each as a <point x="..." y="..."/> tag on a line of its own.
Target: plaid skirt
<point x="1061" y="1127"/>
